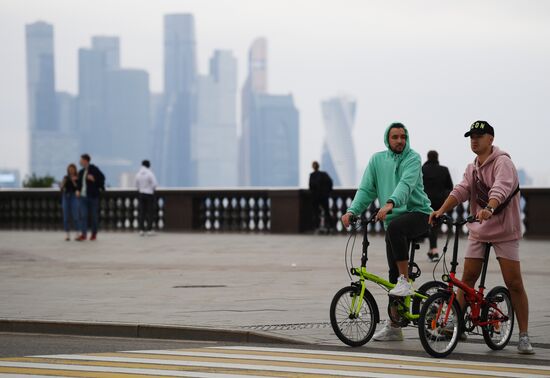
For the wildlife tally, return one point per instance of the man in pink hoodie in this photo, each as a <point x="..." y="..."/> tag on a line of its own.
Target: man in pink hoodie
<point x="491" y="186"/>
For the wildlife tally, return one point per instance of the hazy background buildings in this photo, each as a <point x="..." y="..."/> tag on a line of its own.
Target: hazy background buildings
<point x="434" y="66"/>
<point x="189" y="130"/>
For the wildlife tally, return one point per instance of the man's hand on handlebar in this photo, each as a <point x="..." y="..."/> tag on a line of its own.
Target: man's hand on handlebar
<point x="383" y="212"/>
<point x="346" y="219"/>
<point x="434" y="216"/>
<point x="483" y="215"/>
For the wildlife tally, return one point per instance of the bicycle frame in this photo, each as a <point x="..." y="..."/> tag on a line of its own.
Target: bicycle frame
<point x="473" y="298"/>
<point x="364" y="276"/>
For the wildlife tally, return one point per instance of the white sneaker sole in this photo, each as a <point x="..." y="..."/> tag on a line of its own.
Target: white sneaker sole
<point x="393" y="338"/>
<point x="401" y="293"/>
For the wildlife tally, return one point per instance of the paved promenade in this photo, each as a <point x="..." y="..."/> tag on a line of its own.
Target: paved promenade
<point x="282" y="284"/>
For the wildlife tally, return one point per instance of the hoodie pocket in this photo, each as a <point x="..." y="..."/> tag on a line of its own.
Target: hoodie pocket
<point x="507" y="227"/>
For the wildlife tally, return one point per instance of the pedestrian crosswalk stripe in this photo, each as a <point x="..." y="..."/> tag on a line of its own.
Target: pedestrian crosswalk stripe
<point x="267" y="366"/>
<point x="63" y="369"/>
<point x="237" y="361"/>
<point x="60" y="369"/>
<point x="7" y="375"/>
<point x="359" y="361"/>
<point x="388" y="358"/>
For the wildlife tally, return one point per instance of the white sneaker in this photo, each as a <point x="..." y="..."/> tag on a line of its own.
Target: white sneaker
<point x="389" y="333"/>
<point x="141" y="233"/>
<point x="151" y="233"/>
<point x="524" y="346"/>
<point x="403" y="288"/>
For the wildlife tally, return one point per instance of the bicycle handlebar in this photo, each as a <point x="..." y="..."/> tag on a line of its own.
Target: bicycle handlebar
<point x="356" y="221"/>
<point x="448" y="220"/>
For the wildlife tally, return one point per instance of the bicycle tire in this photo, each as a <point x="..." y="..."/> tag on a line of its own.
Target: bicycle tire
<point x="427" y="324"/>
<point x="428" y="288"/>
<point x="343" y="325"/>
<point x="504" y="328"/>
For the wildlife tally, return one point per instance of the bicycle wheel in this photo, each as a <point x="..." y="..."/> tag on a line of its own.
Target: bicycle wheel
<point x="429" y="288"/>
<point x="439" y="333"/>
<point x="500" y="313"/>
<point x="353" y="330"/>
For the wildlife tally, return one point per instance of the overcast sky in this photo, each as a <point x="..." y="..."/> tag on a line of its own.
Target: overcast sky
<point x="436" y="65"/>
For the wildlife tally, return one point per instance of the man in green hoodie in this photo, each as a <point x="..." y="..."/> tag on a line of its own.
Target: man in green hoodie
<point x="394" y="176"/>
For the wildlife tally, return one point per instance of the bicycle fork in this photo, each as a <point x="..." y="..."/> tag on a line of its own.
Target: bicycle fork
<point x="447" y="312"/>
<point x="357" y="301"/>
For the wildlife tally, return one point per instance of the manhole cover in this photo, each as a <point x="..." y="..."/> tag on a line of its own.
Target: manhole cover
<point x="197" y="286"/>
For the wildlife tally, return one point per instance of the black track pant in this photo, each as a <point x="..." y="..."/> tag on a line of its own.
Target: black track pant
<point x="434" y="233"/>
<point x="398" y="235"/>
<point x="317" y="204"/>
<point x="146" y="211"/>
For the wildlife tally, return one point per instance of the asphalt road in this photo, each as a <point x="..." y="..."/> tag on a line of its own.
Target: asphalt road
<point x="19" y="345"/>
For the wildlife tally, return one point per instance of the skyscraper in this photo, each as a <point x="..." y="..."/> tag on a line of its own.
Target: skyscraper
<point x="127" y="118"/>
<point x="270" y="129"/>
<point x="110" y="46"/>
<point x="257" y="65"/>
<point x="156" y="133"/>
<point x="180" y="78"/>
<point x="53" y="142"/>
<point x="66" y="112"/>
<point x="214" y="136"/>
<point x="40" y="76"/>
<point x="275" y="136"/>
<point x="91" y="100"/>
<point x="256" y="83"/>
<point x="40" y="92"/>
<point x="338" y="157"/>
<point x="94" y="64"/>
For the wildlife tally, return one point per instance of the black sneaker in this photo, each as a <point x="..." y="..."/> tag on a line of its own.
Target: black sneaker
<point x="433" y="257"/>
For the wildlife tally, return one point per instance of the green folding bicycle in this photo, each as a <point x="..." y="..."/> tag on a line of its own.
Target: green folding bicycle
<point x="354" y="312"/>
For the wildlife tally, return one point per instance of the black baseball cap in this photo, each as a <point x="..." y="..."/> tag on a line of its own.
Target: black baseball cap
<point x="480" y="128"/>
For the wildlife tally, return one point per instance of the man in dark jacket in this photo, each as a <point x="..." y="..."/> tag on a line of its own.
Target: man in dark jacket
<point x="320" y="185"/>
<point x="91" y="182"/>
<point x="437" y="185"/>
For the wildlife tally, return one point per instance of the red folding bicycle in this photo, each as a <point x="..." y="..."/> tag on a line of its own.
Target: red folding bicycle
<point x="441" y="318"/>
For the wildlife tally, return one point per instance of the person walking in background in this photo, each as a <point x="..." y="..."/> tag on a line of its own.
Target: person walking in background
<point x="437" y="185"/>
<point x="69" y="201"/>
<point x="91" y="182"/>
<point x="320" y="185"/>
<point x="146" y="184"/>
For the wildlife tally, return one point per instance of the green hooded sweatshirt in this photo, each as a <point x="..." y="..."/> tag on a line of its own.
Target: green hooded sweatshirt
<point x="393" y="176"/>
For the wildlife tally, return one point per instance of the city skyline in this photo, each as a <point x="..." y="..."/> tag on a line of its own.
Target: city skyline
<point x="193" y="129"/>
<point x="480" y="64"/>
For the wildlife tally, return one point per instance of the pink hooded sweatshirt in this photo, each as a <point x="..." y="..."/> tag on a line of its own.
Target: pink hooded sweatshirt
<point x="498" y="173"/>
